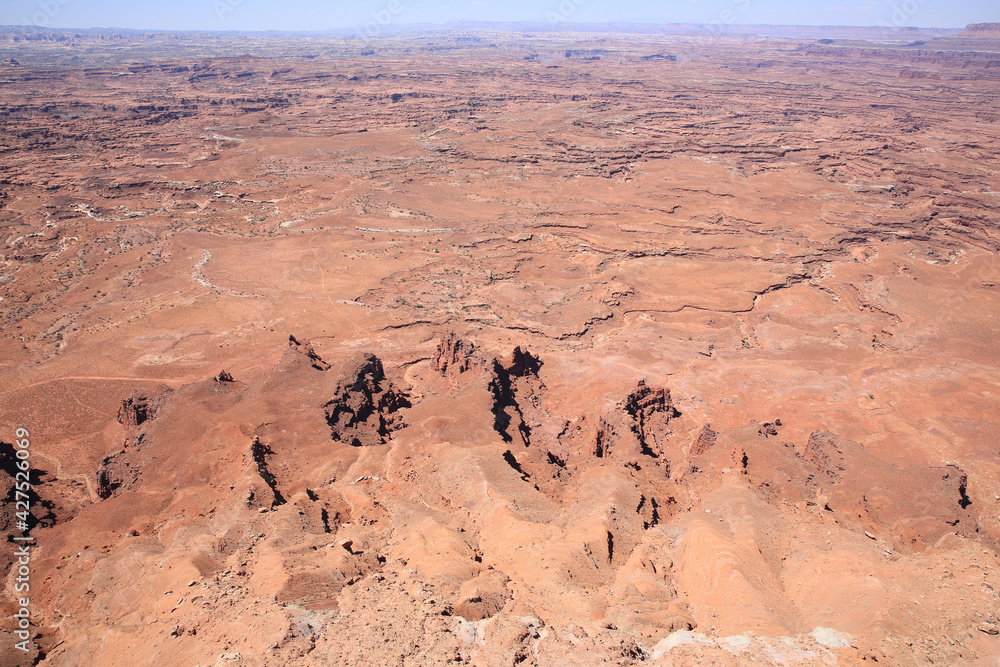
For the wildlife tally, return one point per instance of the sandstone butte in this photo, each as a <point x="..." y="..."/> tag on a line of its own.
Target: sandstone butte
<point x="493" y="346"/>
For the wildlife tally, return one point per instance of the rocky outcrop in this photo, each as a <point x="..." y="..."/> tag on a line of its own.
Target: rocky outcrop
<point x="366" y="407"/>
<point x="122" y="469"/>
<point x="522" y="363"/>
<point x="637" y="426"/>
<point x="14" y="518"/>
<point x="706" y="438"/>
<point x="116" y="472"/>
<point x="262" y="487"/>
<point x="509" y="382"/>
<point x="139" y="407"/>
<point x="651" y="411"/>
<point x="306" y="349"/>
<point x="8" y="522"/>
<point x="454" y="356"/>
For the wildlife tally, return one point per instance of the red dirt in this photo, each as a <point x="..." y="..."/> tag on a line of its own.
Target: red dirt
<point x="530" y="358"/>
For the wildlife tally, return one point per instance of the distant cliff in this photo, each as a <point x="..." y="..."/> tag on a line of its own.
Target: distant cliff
<point x="981" y="30"/>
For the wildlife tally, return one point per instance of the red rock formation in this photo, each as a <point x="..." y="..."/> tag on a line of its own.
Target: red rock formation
<point x="651" y="410"/>
<point x="706" y="438"/>
<point x="365" y="407"/>
<point x="522" y="363"/>
<point x="638" y="426"/>
<point x="306" y="349"/>
<point x="138" y="408"/>
<point x="454" y="355"/>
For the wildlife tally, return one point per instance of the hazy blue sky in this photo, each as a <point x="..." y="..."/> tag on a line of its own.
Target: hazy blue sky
<point x="320" y="15"/>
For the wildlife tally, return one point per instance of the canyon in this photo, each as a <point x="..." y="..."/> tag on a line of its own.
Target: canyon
<point x="498" y="346"/>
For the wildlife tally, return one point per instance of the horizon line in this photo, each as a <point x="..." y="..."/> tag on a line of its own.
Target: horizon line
<point x="539" y="26"/>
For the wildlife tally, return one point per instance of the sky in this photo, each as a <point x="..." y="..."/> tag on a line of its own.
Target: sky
<point x="372" y="14"/>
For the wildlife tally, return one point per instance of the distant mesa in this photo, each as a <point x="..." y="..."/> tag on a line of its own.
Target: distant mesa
<point x="587" y="54"/>
<point x="991" y="30"/>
